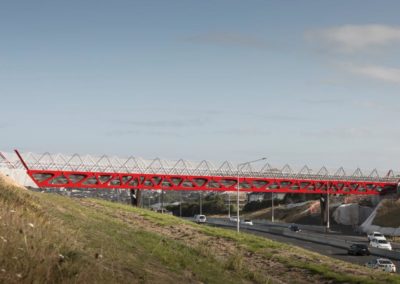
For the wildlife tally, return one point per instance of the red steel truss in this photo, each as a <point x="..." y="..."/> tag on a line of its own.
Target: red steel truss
<point x="49" y="171"/>
<point x="69" y="179"/>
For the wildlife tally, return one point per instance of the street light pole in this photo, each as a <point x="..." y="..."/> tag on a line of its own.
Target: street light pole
<point x="201" y="203"/>
<point x="162" y="201"/>
<point x="237" y="202"/>
<point x="327" y="206"/>
<point x="229" y="206"/>
<point x="272" y="213"/>
<point x="180" y="203"/>
<point x="239" y="167"/>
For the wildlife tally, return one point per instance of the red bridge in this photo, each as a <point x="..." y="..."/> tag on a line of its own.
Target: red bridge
<point x="105" y="172"/>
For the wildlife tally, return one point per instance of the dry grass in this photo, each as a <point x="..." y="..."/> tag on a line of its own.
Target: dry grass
<point x="53" y="239"/>
<point x="253" y="257"/>
<point x="387" y="215"/>
<point x="288" y="215"/>
<point x="48" y="238"/>
<point x="35" y="248"/>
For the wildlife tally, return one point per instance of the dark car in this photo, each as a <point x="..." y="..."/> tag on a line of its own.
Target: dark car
<point x="358" y="249"/>
<point x="294" y="228"/>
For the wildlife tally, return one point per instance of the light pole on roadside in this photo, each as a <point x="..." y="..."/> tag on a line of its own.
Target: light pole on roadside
<point x="229" y="206"/>
<point x="272" y="211"/>
<point x="180" y="203"/>
<point x="239" y="167"/>
<point x="201" y="203"/>
<point x="327" y="206"/>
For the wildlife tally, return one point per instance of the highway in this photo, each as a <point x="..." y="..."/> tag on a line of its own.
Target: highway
<point x="320" y="231"/>
<point x="324" y="249"/>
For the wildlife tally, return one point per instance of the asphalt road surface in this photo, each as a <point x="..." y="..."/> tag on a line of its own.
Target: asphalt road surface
<point x="323" y="249"/>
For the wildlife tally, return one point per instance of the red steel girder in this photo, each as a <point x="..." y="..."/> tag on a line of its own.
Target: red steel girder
<point x="104" y="180"/>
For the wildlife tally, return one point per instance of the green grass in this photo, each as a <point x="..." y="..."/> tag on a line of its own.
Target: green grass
<point x="271" y="249"/>
<point x="118" y="241"/>
<point x="55" y="239"/>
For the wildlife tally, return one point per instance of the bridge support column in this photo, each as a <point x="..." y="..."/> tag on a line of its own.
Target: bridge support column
<point x="324" y="203"/>
<point x="136" y="197"/>
<point x="398" y="189"/>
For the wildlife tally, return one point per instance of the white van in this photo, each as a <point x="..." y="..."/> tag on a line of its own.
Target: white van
<point x="376" y="235"/>
<point x="382" y="244"/>
<point x="200" y="219"/>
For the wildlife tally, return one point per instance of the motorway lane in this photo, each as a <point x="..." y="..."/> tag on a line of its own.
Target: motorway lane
<point x="319" y="230"/>
<point x="327" y="250"/>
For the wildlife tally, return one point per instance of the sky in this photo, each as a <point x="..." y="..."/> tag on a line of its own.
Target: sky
<point x="298" y="82"/>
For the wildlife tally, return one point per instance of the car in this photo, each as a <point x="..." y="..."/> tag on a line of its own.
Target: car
<point x="358" y="249"/>
<point x="383" y="264"/>
<point x="233" y="219"/>
<point x="247" y="222"/>
<point x="294" y="228"/>
<point x="382" y="244"/>
<point x="200" y="218"/>
<point x="376" y="235"/>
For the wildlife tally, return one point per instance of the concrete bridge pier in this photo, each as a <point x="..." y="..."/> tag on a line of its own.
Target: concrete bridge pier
<point x="324" y="204"/>
<point x="136" y="197"/>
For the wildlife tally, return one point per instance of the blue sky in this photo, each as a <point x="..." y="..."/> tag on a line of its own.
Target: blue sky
<point x="299" y="82"/>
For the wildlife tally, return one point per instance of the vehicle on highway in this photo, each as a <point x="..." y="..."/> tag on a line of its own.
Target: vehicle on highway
<point x="376" y="235"/>
<point x="233" y="219"/>
<point x="294" y="228"/>
<point x="383" y="264"/>
<point x="382" y="244"/>
<point x="200" y="219"/>
<point x="358" y="249"/>
<point x="247" y="222"/>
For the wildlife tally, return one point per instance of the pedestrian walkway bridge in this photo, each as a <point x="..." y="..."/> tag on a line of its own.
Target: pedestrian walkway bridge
<point x="77" y="171"/>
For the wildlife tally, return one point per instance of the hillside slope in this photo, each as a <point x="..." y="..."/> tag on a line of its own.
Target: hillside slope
<point x="289" y="213"/>
<point x="387" y="214"/>
<point x="55" y="239"/>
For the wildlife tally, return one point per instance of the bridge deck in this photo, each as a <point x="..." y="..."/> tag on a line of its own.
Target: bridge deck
<point x="105" y="172"/>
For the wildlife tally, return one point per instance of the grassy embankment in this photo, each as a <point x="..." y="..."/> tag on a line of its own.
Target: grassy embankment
<point x="50" y="238"/>
<point x="387" y="214"/>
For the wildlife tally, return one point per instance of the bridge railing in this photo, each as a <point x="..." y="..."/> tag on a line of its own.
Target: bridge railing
<point x="88" y="163"/>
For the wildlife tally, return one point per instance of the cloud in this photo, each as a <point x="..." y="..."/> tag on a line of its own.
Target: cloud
<point x="4" y="125"/>
<point x="282" y="117"/>
<point x="171" y="127"/>
<point x="245" y="132"/>
<point x="387" y="74"/>
<point x="341" y="133"/>
<point x="174" y="123"/>
<point x="231" y="39"/>
<point x="141" y="133"/>
<point x="355" y="38"/>
<point x="323" y="101"/>
<point x="376" y="106"/>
